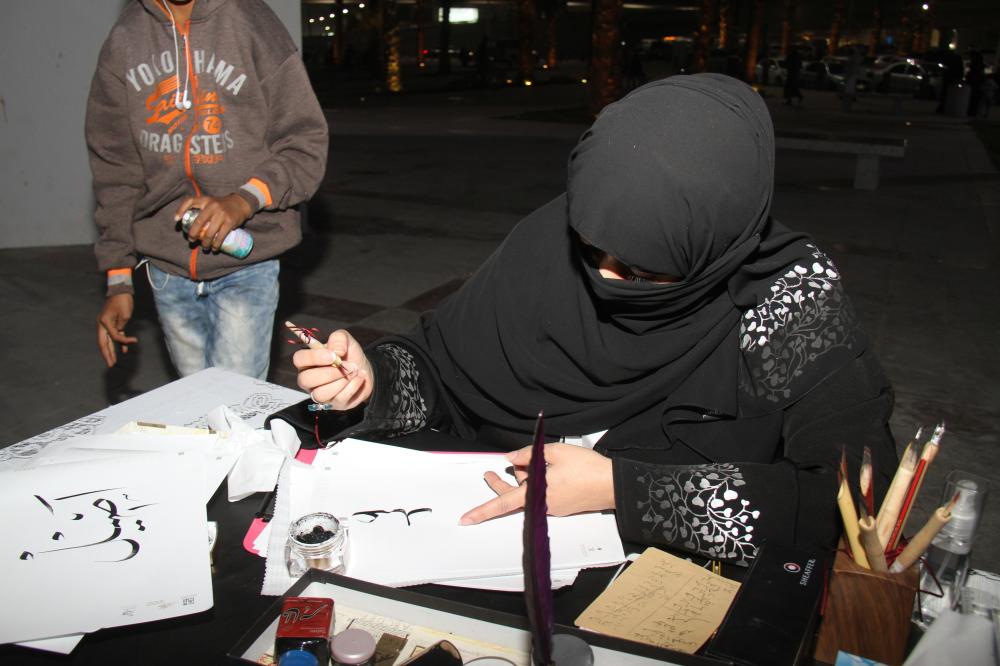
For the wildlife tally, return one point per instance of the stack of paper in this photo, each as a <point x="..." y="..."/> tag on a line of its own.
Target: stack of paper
<point x="402" y="509"/>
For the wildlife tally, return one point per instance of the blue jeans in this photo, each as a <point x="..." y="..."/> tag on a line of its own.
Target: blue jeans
<point x="225" y="322"/>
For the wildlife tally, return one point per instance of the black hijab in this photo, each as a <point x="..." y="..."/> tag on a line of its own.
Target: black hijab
<point x="675" y="178"/>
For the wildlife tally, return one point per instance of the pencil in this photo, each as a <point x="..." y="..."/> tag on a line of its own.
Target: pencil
<point x="893" y="502"/>
<point x="926" y="457"/>
<point x="850" y="517"/>
<point x="922" y="539"/>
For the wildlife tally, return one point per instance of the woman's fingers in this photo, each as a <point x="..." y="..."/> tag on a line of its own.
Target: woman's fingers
<point x="508" y="501"/>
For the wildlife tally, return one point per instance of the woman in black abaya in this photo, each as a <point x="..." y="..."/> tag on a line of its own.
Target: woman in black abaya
<point x="658" y="310"/>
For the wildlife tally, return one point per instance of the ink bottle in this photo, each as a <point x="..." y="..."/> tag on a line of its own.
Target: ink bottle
<point x="316" y="541"/>
<point x="353" y="647"/>
<point x="303" y="634"/>
<point x="237" y="243"/>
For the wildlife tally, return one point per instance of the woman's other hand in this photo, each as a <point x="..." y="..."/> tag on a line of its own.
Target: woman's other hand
<point x="327" y="383"/>
<point x="578" y="480"/>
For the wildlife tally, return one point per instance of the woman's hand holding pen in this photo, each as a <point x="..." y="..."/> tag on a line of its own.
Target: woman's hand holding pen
<point x="111" y="322"/>
<point x="578" y="480"/>
<point x="327" y="383"/>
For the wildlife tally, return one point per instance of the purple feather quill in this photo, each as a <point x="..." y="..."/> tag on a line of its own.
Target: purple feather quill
<point x="537" y="558"/>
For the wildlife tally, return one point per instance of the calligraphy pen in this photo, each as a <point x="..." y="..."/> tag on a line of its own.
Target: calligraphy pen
<point x="305" y="337"/>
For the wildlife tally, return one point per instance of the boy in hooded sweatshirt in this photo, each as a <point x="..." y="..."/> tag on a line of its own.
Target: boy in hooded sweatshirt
<point x="200" y="104"/>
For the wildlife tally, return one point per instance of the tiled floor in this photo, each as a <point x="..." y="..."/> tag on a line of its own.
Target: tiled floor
<point x="418" y="195"/>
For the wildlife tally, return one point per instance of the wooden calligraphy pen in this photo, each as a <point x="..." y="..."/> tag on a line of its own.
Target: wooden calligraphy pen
<point x="893" y="502"/>
<point x="303" y="334"/>
<point x="920" y="542"/>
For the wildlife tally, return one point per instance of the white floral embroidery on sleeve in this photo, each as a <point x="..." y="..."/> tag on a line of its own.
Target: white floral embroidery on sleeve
<point x="700" y="509"/>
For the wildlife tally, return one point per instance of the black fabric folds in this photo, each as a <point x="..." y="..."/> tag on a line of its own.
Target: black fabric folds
<point x="675" y="178"/>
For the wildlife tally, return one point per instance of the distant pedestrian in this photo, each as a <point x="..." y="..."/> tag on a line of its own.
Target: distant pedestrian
<point x="975" y="79"/>
<point x="953" y="70"/>
<point x="634" y="74"/>
<point x="851" y="73"/>
<point x="793" y="65"/>
<point x="989" y="94"/>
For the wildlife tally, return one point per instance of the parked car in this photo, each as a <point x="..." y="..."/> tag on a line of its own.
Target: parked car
<point x="904" y="76"/>
<point x="776" y="72"/>
<point x="826" y="74"/>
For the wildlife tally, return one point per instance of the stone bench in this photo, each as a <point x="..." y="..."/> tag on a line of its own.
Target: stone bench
<point x="897" y="99"/>
<point x="868" y="149"/>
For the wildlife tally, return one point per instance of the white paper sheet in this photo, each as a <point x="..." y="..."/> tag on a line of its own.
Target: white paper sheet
<point x="58" y="644"/>
<point x="217" y="453"/>
<point x="358" y="476"/>
<point x="184" y="402"/>
<point x="102" y="543"/>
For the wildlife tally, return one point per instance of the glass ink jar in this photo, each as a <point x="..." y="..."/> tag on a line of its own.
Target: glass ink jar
<point x="316" y="541"/>
<point x="237" y="243"/>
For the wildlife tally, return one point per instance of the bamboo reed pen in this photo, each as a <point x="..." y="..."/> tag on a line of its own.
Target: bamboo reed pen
<point x="868" y="536"/>
<point x="850" y="516"/>
<point x="865" y="483"/>
<point x="922" y="540"/>
<point x="893" y="502"/>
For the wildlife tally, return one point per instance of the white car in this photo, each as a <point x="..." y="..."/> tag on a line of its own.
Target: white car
<point x="904" y="76"/>
<point x="776" y="72"/>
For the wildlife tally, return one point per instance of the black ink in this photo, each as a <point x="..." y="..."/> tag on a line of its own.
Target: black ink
<point x="375" y="513"/>
<point x="44" y="503"/>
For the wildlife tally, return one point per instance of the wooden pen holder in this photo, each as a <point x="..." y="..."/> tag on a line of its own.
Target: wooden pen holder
<point x="867" y="613"/>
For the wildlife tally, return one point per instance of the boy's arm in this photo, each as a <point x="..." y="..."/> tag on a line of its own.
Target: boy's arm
<point x="117" y="176"/>
<point x="297" y="136"/>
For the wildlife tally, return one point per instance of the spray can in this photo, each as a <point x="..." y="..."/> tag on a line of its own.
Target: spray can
<point x="237" y="243"/>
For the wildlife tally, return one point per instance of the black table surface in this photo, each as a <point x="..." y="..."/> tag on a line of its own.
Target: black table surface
<point x="237" y="575"/>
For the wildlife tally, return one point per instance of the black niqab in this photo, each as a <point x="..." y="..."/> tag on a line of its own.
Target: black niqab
<point x="675" y="178"/>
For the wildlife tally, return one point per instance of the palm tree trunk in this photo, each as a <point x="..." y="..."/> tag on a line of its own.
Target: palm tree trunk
<point x="835" y="27"/>
<point x="605" y="62"/>
<point x="704" y="40"/>
<point x="724" y="24"/>
<point x="393" y="80"/>
<point x="876" y="35"/>
<point x="905" y="44"/>
<point x="551" y="33"/>
<point x="754" y="39"/>
<point x="421" y="21"/>
<point x="525" y="39"/>
<point x="444" y="56"/>
<point x="337" y="49"/>
<point x="788" y="26"/>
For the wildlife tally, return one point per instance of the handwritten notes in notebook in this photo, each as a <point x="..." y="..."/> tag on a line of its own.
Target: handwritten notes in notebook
<point x="662" y="600"/>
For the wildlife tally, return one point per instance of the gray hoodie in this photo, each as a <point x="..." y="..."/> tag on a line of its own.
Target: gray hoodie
<point x="254" y="127"/>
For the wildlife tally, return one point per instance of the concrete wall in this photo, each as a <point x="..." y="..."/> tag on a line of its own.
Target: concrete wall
<point x="48" y="51"/>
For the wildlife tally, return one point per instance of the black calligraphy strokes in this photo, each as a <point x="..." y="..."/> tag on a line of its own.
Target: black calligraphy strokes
<point x="371" y="516"/>
<point x="113" y="505"/>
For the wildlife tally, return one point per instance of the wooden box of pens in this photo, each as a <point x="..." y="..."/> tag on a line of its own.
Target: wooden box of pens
<point x="867" y="613"/>
<point x="874" y="580"/>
